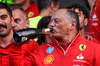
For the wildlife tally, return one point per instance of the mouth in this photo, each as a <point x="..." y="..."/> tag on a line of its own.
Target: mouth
<point x="53" y="31"/>
<point x="2" y="27"/>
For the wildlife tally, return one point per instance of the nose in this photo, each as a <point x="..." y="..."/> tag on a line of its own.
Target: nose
<point x="1" y="22"/>
<point x="52" y="24"/>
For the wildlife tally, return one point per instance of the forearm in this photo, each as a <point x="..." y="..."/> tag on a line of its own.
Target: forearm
<point x="15" y="54"/>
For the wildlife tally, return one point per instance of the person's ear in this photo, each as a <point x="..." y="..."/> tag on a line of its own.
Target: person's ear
<point x="12" y="20"/>
<point x="73" y="25"/>
<point x="52" y="6"/>
<point x="86" y="21"/>
<point x="27" y="23"/>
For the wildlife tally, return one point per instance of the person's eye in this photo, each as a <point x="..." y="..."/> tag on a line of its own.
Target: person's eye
<point x="57" y="21"/>
<point x="16" y="20"/>
<point x="3" y="17"/>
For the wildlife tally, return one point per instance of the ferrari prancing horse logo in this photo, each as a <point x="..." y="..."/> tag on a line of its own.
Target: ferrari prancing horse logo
<point x="82" y="47"/>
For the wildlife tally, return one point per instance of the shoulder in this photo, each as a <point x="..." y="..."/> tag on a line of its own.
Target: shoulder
<point x="35" y="18"/>
<point x="34" y="21"/>
<point x="90" y="45"/>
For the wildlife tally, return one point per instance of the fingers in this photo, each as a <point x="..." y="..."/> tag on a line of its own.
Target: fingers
<point x="88" y="37"/>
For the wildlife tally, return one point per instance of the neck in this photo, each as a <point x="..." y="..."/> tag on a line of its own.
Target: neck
<point x="82" y="33"/>
<point x="67" y="39"/>
<point x="45" y="12"/>
<point x="26" y="5"/>
<point x="5" y="41"/>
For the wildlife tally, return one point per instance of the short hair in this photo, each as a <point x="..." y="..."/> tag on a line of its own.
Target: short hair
<point x="81" y="8"/>
<point x="43" y="23"/>
<point x="42" y="4"/>
<point x="72" y="16"/>
<point x="5" y="6"/>
<point x="21" y="9"/>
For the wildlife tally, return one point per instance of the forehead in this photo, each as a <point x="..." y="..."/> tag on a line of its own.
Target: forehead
<point x="3" y="11"/>
<point x="17" y="13"/>
<point x="59" y="14"/>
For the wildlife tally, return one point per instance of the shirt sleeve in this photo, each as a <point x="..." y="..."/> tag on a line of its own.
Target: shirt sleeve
<point x="29" y="48"/>
<point x="17" y="58"/>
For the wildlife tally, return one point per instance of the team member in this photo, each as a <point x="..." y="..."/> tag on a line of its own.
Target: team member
<point x="94" y="20"/>
<point x="69" y="48"/>
<point x="46" y="8"/>
<point x="6" y="34"/>
<point x="20" y="18"/>
<point x="82" y="14"/>
<point x="83" y="19"/>
<point x="30" y="8"/>
<point x="21" y="22"/>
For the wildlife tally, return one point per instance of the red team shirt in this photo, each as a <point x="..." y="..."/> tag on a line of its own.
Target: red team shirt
<point x="80" y="52"/>
<point x="32" y="11"/>
<point x="94" y="22"/>
<point x="26" y="50"/>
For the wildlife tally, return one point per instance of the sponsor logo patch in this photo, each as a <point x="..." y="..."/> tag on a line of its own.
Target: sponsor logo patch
<point x="94" y="16"/>
<point x="80" y="56"/>
<point x="30" y="14"/>
<point x="50" y="49"/>
<point x="49" y="59"/>
<point x="82" y="47"/>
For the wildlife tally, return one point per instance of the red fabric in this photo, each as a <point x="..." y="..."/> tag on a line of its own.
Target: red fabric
<point x="52" y="54"/>
<point x="94" y="22"/>
<point x="96" y="41"/>
<point x="63" y="46"/>
<point x="4" y="56"/>
<point x="33" y="9"/>
<point x="27" y="49"/>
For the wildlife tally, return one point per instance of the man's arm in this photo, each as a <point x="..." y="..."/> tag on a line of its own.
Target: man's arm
<point x="16" y="56"/>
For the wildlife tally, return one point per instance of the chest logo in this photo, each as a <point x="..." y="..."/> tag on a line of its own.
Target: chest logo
<point x="49" y="59"/>
<point x="94" y="16"/>
<point x="50" y="49"/>
<point x="82" y="47"/>
<point x="30" y="14"/>
<point x="80" y="57"/>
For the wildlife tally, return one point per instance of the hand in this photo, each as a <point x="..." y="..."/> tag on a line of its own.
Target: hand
<point x="88" y="37"/>
<point x="23" y="28"/>
<point x="20" y="43"/>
